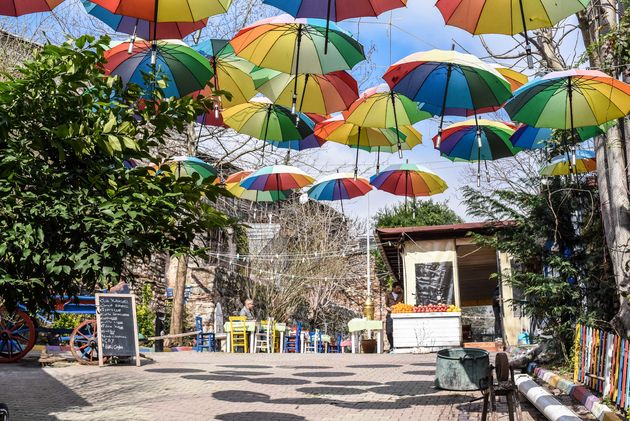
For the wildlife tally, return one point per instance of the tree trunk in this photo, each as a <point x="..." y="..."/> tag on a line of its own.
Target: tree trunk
<point x="177" y="313"/>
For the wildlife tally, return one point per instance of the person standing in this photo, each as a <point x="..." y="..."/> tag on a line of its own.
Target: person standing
<point x="248" y="309"/>
<point x="394" y="297"/>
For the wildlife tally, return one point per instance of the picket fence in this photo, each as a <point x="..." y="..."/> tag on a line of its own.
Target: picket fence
<point x="601" y="362"/>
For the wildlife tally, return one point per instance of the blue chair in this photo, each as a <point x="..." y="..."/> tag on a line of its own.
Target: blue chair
<point x="292" y="343"/>
<point x="205" y="340"/>
<point x="336" y="348"/>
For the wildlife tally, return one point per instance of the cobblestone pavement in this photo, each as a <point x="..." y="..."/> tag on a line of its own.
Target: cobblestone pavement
<point x="190" y="386"/>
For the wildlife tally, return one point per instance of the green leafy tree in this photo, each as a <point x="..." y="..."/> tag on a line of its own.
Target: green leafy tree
<point x="72" y="213"/>
<point x="561" y="264"/>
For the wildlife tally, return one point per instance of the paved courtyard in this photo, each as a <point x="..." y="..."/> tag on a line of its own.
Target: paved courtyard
<point x="190" y="386"/>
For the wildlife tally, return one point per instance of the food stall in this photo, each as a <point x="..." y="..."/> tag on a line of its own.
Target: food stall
<point x="428" y="327"/>
<point x="450" y="284"/>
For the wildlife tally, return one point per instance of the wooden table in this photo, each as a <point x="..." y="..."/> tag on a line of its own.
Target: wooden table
<point x="356" y="326"/>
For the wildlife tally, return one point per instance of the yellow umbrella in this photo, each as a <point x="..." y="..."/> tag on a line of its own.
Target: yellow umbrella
<point x="515" y="78"/>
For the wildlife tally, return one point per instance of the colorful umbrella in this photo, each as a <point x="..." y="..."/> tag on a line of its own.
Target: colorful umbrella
<point x="339" y="130"/>
<point x="449" y="83"/>
<point x="187" y="166"/>
<point x="584" y="162"/>
<point x="142" y="28"/>
<point x="25" y="7"/>
<point x="476" y="141"/>
<point x="516" y="79"/>
<point x="277" y="177"/>
<point x="263" y="120"/>
<point x="411" y="136"/>
<point x="528" y="137"/>
<point x="321" y="94"/>
<point x="409" y="180"/>
<point x="232" y="184"/>
<point x="271" y="42"/>
<point x="382" y="108"/>
<point x="335" y="10"/>
<point x="186" y="70"/>
<point x="570" y="99"/>
<point x="166" y="10"/>
<point x="231" y="73"/>
<point x="340" y="186"/>
<point x="507" y="17"/>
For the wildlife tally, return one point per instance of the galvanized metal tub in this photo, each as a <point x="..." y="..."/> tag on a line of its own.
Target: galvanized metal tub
<point x="461" y="369"/>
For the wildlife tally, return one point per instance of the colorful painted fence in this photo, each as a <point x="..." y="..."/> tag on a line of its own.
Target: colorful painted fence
<point x="601" y="361"/>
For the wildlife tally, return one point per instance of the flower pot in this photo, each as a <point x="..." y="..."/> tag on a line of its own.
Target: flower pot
<point x="368" y="346"/>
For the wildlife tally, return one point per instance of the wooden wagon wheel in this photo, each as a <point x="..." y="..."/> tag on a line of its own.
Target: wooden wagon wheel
<point x="84" y="343"/>
<point x="502" y="367"/>
<point x="17" y="335"/>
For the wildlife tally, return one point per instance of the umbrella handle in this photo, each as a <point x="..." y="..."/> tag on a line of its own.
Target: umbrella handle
<point x="327" y="27"/>
<point x="528" y="48"/>
<point x="297" y="67"/>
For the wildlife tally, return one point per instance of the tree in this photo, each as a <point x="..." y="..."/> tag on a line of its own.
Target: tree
<point x="426" y="212"/>
<point x="71" y="213"/>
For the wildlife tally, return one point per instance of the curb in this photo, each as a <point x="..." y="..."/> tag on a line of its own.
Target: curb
<point x="578" y="392"/>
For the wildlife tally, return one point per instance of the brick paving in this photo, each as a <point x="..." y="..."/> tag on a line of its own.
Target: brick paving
<point x="191" y="386"/>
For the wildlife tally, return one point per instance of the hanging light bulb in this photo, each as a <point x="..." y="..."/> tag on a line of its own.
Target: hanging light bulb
<point x="293" y="103"/>
<point x="530" y="59"/>
<point x="439" y="138"/>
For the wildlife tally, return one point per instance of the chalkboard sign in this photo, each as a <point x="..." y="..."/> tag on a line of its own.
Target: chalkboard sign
<point x="117" y="326"/>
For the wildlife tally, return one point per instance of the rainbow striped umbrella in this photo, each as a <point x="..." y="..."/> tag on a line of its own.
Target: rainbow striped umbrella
<point x="186" y="70"/>
<point x="583" y="162"/>
<point x="188" y="166"/>
<point x="26" y="7"/>
<point x="140" y="27"/>
<point x="516" y="79"/>
<point x="232" y="185"/>
<point x="528" y="137"/>
<point x="507" y="17"/>
<point x="166" y="10"/>
<point x="277" y="177"/>
<point x="409" y="180"/>
<point x="320" y="94"/>
<point x="476" y="141"/>
<point x="340" y="186"/>
<point x="297" y="46"/>
<point x="449" y="83"/>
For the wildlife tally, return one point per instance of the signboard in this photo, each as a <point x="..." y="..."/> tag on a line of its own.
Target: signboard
<point x="117" y="326"/>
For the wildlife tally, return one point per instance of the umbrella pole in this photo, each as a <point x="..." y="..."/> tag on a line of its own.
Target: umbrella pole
<point x="265" y="135"/>
<point x="448" y="80"/>
<point x="327" y="27"/>
<point x="528" y="48"/>
<point x="356" y="161"/>
<point x="297" y="115"/>
<point x="297" y="66"/>
<point x="216" y="88"/>
<point x="340" y="197"/>
<point x="572" y="163"/>
<point x="199" y="137"/>
<point x="391" y="94"/>
<point x="406" y="184"/>
<point x="154" y="43"/>
<point x="479" y="145"/>
<point x="378" y="160"/>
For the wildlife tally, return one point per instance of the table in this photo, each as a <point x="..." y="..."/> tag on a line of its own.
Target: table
<point x="251" y="326"/>
<point x="355" y="326"/>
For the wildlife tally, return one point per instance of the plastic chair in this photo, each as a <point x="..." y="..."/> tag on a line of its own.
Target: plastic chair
<point x="314" y="342"/>
<point x="205" y="340"/>
<point x="238" y="333"/>
<point x="292" y="339"/>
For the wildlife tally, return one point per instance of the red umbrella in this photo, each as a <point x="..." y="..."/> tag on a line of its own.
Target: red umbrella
<point x="25" y="7"/>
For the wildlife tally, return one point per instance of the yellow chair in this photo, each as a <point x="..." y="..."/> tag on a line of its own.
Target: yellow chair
<point x="238" y="333"/>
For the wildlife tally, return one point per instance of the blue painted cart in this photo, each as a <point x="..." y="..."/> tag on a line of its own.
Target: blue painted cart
<point x="19" y="331"/>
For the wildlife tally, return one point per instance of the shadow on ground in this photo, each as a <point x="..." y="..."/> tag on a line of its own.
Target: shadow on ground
<point x="279" y="381"/>
<point x="324" y="374"/>
<point x="260" y="416"/>
<point x="245" y="366"/>
<point x="374" y="366"/>
<point x="174" y="370"/>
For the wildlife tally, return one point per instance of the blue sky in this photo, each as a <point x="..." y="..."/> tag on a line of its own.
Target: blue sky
<point x="418" y="27"/>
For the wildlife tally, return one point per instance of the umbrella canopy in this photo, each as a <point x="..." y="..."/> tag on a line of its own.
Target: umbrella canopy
<point x="409" y="180"/>
<point x="460" y="141"/>
<point x="570" y="99"/>
<point x="449" y="83"/>
<point x="561" y="165"/>
<point x="336" y="10"/>
<point x="277" y="177"/>
<point x="507" y="17"/>
<point x="297" y="46"/>
<point x="210" y="118"/>
<point x="321" y="94"/>
<point x="263" y="120"/>
<point x="411" y="136"/>
<point x="340" y="186"/>
<point x="186" y="70"/>
<point x="187" y="166"/>
<point x="528" y="137"/>
<point x="140" y="27"/>
<point x="25" y="7"/>
<point x="516" y="79"/>
<point x="166" y="10"/>
<point x="232" y="184"/>
<point x="231" y="73"/>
